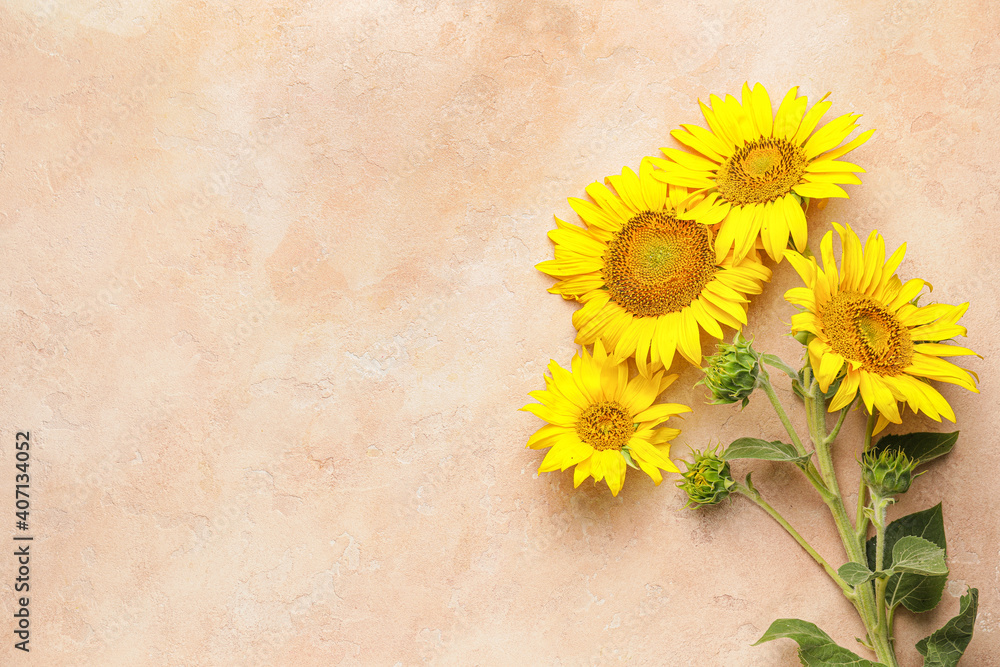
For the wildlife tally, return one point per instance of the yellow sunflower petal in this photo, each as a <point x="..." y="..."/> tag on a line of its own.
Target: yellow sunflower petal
<point x="810" y="120"/>
<point x="848" y="147"/>
<point x="819" y="190"/>
<point x="703" y="141"/>
<point x="789" y="115"/>
<point x="867" y="320"/>
<point x="847" y="392"/>
<point x="614" y="470"/>
<point x="796" y="220"/>
<point x="760" y="109"/>
<point x="582" y="471"/>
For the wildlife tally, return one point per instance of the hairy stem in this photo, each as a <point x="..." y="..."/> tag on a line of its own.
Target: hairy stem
<point x="765" y="382"/>
<point x="861" y="518"/>
<point x="865" y="601"/>
<point x="808" y="469"/>
<point x="755" y="496"/>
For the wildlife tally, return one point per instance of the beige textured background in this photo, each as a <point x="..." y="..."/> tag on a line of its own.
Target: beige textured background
<point x="269" y="311"/>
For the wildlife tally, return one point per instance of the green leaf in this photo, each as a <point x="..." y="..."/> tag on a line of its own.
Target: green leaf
<point x="856" y="574"/>
<point x="923" y="447"/>
<point x="816" y="649"/>
<point x="776" y="362"/>
<point x="918" y="556"/>
<point x="754" y="448"/>
<point x="946" y="646"/>
<point x="916" y="592"/>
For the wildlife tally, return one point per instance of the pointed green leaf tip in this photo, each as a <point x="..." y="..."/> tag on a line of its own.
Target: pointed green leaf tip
<point x="856" y="574"/>
<point x="945" y="647"/>
<point x="816" y="649"/>
<point x="922" y="447"/>
<point x="754" y="448"/>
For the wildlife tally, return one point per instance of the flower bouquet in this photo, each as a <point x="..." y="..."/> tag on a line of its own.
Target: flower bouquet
<point x="673" y="254"/>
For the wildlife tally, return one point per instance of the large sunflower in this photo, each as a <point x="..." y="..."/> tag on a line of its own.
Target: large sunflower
<point x="868" y="331"/>
<point x="600" y="421"/>
<point x="756" y="167"/>
<point x="647" y="280"/>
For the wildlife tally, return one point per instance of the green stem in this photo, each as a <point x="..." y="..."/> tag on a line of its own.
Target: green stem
<point x="840" y="422"/>
<point x="755" y="496"/>
<point x="816" y="413"/>
<point x="865" y="603"/>
<point x="882" y="638"/>
<point x="808" y="469"/>
<point x="862" y="518"/>
<point x="765" y="382"/>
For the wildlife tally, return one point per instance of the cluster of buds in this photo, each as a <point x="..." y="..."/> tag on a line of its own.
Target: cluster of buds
<point x="888" y="472"/>
<point x="707" y="480"/>
<point x="732" y="374"/>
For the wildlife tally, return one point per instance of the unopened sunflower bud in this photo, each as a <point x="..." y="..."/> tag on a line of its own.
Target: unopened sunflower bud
<point x="731" y="374"/>
<point x="888" y="473"/>
<point x="707" y="480"/>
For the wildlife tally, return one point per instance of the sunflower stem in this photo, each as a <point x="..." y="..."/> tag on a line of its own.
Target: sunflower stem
<point x="754" y="495"/>
<point x="840" y="422"/>
<point x="882" y="639"/>
<point x="865" y="600"/>
<point x="808" y="469"/>
<point x="765" y="383"/>
<point x="862" y="518"/>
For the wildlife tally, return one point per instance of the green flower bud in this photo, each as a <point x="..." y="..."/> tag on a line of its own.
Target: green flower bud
<point x="707" y="480"/>
<point x="731" y="375"/>
<point x="804" y="337"/>
<point x="888" y="472"/>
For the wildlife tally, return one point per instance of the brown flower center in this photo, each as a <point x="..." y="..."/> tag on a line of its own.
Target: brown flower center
<point x="657" y="264"/>
<point x="606" y="425"/>
<point x="862" y="329"/>
<point x="761" y="171"/>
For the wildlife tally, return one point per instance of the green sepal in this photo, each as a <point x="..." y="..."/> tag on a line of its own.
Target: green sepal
<point x="707" y="480"/>
<point x="856" y="574"/>
<point x="916" y="555"/>
<point x="755" y="448"/>
<point x="628" y="458"/>
<point x="945" y="647"/>
<point x="816" y="649"/>
<point x="800" y="387"/>
<point x="916" y="592"/>
<point x="922" y="447"/>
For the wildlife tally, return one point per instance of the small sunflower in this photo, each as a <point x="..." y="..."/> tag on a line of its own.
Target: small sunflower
<point x="646" y="279"/>
<point x="869" y="332"/>
<point x="756" y="167"/>
<point x="600" y="421"/>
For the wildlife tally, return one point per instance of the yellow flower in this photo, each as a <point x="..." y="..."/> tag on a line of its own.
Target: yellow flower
<point x="869" y="332"/>
<point x="601" y="421"/>
<point x="647" y="281"/>
<point x="755" y="168"/>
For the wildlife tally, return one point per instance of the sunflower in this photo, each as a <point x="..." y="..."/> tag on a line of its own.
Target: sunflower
<point x="868" y="330"/>
<point x="601" y="421"/>
<point x="647" y="280"/>
<point x="755" y="168"/>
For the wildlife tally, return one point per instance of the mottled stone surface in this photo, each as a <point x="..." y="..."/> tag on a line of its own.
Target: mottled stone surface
<point x="269" y="312"/>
